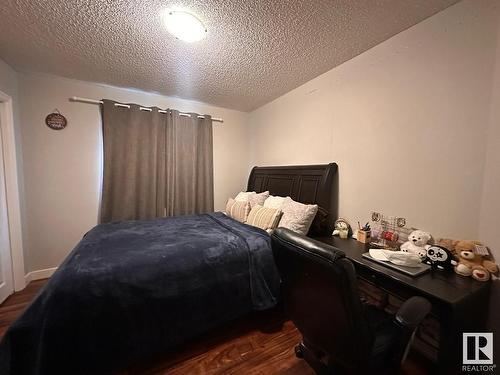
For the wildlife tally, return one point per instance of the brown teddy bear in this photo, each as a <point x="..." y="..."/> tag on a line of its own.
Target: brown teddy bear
<point x="469" y="262"/>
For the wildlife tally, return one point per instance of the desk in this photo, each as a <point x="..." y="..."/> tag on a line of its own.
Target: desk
<point x="459" y="303"/>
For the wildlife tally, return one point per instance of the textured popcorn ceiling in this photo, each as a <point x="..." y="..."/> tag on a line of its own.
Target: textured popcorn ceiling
<point x="254" y="51"/>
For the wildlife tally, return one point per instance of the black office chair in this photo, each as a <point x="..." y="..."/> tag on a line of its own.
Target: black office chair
<point x="340" y="334"/>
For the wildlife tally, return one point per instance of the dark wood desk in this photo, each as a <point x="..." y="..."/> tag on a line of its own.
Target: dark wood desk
<point x="459" y="303"/>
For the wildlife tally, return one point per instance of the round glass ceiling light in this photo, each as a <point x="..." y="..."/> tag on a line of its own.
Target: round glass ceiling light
<point x="184" y="25"/>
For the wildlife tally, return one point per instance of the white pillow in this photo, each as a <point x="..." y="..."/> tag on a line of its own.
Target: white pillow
<point x="297" y="216"/>
<point x="244" y="196"/>
<point x="258" y="199"/>
<point x="274" y="201"/>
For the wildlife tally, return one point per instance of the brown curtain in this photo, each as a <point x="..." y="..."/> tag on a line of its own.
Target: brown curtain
<point x="189" y="165"/>
<point x="155" y="164"/>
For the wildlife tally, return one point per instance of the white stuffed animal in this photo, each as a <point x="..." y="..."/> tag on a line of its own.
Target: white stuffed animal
<point x="416" y="244"/>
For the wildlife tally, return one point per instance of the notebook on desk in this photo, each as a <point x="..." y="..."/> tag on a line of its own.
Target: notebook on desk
<point x="411" y="271"/>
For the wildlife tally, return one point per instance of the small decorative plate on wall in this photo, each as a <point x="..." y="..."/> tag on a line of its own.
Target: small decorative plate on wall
<point x="56" y="121"/>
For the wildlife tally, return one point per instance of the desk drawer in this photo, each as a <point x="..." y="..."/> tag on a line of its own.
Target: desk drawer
<point x="386" y="284"/>
<point x="371" y="294"/>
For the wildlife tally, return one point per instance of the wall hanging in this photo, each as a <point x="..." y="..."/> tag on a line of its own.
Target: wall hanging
<point x="56" y="121"/>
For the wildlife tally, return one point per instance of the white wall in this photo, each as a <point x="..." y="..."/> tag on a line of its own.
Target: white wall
<point x="406" y="122"/>
<point x="490" y="208"/>
<point x="62" y="168"/>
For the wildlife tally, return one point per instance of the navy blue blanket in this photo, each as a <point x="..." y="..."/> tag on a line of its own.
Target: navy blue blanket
<point x="131" y="290"/>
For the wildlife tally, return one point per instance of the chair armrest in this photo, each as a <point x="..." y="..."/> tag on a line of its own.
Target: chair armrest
<point x="412" y="312"/>
<point x="409" y="316"/>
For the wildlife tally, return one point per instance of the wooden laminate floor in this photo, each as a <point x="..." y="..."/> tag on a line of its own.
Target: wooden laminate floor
<point x="260" y="344"/>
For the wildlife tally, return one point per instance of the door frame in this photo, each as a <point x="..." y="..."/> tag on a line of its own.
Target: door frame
<point x="12" y="190"/>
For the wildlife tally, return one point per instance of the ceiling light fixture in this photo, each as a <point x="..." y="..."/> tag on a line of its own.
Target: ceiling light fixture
<point x="184" y="25"/>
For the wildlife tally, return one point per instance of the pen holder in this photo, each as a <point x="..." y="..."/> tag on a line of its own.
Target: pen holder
<point x="363" y="236"/>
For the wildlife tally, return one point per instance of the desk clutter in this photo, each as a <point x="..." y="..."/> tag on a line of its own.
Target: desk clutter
<point x="396" y="262"/>
<point x="392" y="243"/>
<point x="454" y="299"/>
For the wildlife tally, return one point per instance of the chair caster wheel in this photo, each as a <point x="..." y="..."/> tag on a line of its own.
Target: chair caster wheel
<point x="299" y="352"/>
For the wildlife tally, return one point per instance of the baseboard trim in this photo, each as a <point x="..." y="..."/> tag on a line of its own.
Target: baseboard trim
<point x="39" y="274"/>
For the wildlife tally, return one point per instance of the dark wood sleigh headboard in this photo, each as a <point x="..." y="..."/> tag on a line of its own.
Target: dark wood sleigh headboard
<point x="310" y="184"/>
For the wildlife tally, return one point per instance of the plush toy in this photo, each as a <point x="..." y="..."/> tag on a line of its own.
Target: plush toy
<point x="416" y="243"/>
<point x="439" y="257"/>
<point x="470" y="263"/>
<point x="342" y="228"/>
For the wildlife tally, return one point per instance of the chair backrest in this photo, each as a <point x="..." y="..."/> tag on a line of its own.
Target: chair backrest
<point x="320" y="296"/>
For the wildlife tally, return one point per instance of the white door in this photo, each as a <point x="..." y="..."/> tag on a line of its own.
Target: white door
<point x="6" y="282"/>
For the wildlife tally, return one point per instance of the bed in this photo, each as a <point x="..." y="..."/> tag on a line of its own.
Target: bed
<point x="131" y="290"/>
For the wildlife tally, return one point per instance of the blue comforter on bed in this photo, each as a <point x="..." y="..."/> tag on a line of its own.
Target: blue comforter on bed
<point x="131" y="290"/>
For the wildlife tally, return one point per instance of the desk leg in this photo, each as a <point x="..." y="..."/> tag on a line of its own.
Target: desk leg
<point x="449" y="356"/>
<point x="468" y="316"/>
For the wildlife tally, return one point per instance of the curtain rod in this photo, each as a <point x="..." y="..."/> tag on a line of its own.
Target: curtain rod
<point x="93" y="101"/>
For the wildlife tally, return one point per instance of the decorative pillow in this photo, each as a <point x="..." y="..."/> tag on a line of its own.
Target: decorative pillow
<point x="244" y="196"/>
<point x="274" y="202"/>
<point x="297" y="216"/>
<point x="320" y="225"/>
<point x="264" y="218"/>
<point x="237" y="210"/>
<point x="258" y="199"/>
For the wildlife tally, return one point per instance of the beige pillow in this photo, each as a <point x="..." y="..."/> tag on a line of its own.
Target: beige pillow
<point x="237" y="210"/>
<point x="297" y="216"/>
<point x="258" y="199"/>
<point x="274" y="202"/>
<point x="264" y="218"/>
